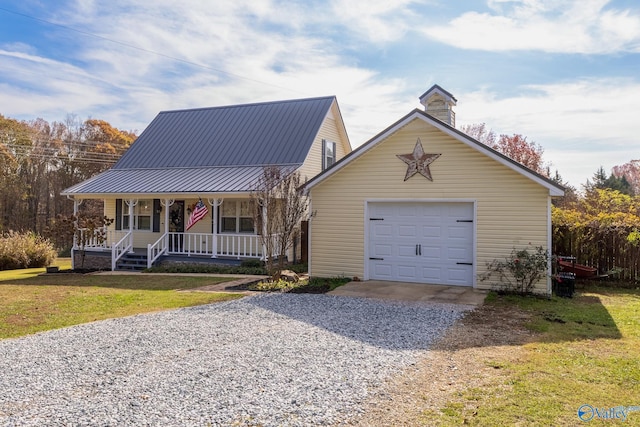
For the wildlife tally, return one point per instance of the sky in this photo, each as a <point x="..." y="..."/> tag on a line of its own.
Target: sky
<point x="563" y="73"/>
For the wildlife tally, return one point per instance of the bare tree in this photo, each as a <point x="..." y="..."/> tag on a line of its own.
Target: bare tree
<point x="280" y="206"/>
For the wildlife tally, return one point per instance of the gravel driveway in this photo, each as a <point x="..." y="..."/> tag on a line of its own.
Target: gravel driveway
<point x="275" y="359"/>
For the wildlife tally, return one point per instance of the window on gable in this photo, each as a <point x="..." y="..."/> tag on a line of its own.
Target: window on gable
<point x="328" y="153"/>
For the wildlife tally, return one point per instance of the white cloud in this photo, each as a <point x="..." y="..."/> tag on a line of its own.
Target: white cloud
<point x="581" y="124"/>
<point x="570" y="26"/>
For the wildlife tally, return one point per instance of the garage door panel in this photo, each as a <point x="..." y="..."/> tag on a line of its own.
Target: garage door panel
<point x="458" y="254"/>
<point x="407" y="231"/>
<point x="380" y="250"/>
<point x="458" y="232"/>
<point x="406" y="251"/>
<point x="458" y="275"/>
<point x="382" y="230"/>
<point x="432" y="254"/>
<point x="431" y="231"/>
<point x="432" y="274"/>
<point x="423" y="242"/>
<point x="383" y="271"/>
<point x="406" y="272"/>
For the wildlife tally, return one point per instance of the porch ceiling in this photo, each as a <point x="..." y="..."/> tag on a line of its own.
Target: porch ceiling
<point x="235" y="179"/>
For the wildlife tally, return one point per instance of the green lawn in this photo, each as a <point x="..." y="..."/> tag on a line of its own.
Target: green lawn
<point x="587" y="352"/>
<point x="31" y="303"/>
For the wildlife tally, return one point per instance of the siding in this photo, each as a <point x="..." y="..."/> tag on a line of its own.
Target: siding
<point x="511" y="209"/>
<point x="330" y="131"/>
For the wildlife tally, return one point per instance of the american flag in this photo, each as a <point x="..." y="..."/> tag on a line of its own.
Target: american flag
<point x="199" y="212"/>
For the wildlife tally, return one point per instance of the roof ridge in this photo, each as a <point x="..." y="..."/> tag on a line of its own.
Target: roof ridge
<point x="251" y="104"/>
<point x="205" y="167"/>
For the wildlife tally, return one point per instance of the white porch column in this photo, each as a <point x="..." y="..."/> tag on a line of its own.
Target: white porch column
<point x="215" y="204"/>
<point x="76" y="205"/>
<point x="263" y="212"/>
<point x="167" y="203"/>
<point x="131" y="203"/>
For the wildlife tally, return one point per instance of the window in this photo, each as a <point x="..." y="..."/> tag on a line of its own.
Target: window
<point x="142" y="213"/>
<point x="328" y="154"/>
<point x="236" y="216"/>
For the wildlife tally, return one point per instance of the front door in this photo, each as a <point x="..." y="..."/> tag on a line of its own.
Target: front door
<point x="176" y="225"/>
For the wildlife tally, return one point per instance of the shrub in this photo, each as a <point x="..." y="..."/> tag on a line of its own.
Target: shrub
<point x="519" y="272"/>
<point x="207" y="268"/>
<point x="279" y="285"/>
<point x="251" y="263"/>
<point x="320" y="285"/>
<point x="25" y="250"/>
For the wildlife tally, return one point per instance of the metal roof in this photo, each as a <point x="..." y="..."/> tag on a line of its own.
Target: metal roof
<point x="269" y="133"/>
<point x="213" y="150"/>
<point x="174" y="180"/>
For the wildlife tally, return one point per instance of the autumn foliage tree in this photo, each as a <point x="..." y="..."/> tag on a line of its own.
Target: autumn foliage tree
<point x="513" y="146"/>
<point x="630" y="171"/>
<point x="39" y="159"/>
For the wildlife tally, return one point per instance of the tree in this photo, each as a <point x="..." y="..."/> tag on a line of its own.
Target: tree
<point x="522" y="151"/>
<point x="612" y="182"/>
<point x="82" y="229"/>
<point x="515" y="147"/>
<point x="480" y="132"/>
<point x="631" y="172"/>
<point x="39" y="159"/>
<point x="280" y="206"/>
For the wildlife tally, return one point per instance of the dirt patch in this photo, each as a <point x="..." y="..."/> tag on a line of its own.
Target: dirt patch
<point x="470" y="355"/>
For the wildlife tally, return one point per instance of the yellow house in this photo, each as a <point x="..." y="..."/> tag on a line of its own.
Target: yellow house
<point x="423" y="202"/>
<point x="204" y="163"/>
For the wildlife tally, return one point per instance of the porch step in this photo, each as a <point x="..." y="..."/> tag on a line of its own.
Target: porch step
<point x="132" y="262"/>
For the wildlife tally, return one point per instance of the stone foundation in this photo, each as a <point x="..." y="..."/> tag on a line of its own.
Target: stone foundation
<point x="92" y="260"/>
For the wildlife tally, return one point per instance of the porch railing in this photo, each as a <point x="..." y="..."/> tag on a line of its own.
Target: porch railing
<point x="98" y="239"/>
<point x="188" y="244"/>
<point x="231" y="245"/>
<point x="156" y="250"/>
<point x="120" y="248"/>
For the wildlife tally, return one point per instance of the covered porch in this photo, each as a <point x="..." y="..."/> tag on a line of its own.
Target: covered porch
<point x="161" y="228"/>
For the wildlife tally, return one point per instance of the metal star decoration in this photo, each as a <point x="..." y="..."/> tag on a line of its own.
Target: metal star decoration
<point x="418" y="161"/>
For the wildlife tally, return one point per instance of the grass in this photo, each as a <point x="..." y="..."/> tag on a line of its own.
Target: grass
<point x="30" y="303"/>
<point x="587" y="351"/>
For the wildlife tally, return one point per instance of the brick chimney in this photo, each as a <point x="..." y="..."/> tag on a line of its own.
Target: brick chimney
<point x="439" y="103"/>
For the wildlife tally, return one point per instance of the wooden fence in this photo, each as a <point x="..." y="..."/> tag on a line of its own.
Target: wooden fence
<point x="608" y="249"/>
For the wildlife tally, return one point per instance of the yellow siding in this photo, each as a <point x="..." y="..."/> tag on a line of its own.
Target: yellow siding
<point x="331" y="131"/>
<point x="511" y="209"/>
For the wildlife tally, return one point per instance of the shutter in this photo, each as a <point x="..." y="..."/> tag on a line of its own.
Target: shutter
<point x="118" y="214"/>
<point x="156" y="215"/>
<point x="324" y="159"/>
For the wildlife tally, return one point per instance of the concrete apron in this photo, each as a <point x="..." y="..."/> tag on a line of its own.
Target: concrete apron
<point x="412" y="292"/>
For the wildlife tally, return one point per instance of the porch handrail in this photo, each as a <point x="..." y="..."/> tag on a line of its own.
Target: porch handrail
<point x="156" y="250"/>
<point x="119" y="249"/>
<point x="226" y="244"/>
<point x="102" y="238"/>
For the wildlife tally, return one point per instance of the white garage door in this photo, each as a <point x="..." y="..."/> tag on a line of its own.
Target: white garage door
<point x="421" y="242"/>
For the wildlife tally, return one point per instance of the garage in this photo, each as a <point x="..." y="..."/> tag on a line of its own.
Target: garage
<point x="421" y="242"/>
<point x="422" y="202"/>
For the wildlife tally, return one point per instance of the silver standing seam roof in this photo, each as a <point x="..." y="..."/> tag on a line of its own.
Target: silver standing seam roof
<point x="211" y="150"/>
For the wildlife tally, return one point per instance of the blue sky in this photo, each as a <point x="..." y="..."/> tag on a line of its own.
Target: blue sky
<point x="566" y="74"/>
